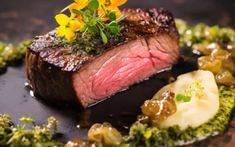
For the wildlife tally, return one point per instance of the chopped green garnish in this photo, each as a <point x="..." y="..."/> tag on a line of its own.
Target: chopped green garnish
<point x="10" y="53"/>
<point x="183" y="98"/>
<point x="26" y="119"/>
<point x="20" y="136"/>
<point x="195" y="88"/>
<point x="148" y="134"/>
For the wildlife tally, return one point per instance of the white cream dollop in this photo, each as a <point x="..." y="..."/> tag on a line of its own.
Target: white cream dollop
<point x="200" y="108"/>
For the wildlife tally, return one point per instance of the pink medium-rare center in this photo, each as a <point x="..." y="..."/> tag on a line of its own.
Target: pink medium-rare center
<point x="136" y="63"/>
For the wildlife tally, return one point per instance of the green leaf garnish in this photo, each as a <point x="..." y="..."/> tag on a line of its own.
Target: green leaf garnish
<point x="93" y="5"/>
<point x="112" y="16"/>
<point x="27" y="119"/>
<point x="183" y="98"/>
<point x="104" y="37"/>
<point x="93" y="21"/>
<point x="92" y="29"/>
<point x="77" y="11"/>
<point x="114" y="28"/>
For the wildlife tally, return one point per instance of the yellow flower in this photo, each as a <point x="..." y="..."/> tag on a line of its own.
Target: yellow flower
<point x="62" y="19"/>
<point x="68" y="26"/>
<point x="118" y="2"/>
<point x="63" y="31"/>
<point x="75" y="25"/>
<point x="110" y="5"/>
<point x="101" y="12"/>
<point x="78" y="5"/>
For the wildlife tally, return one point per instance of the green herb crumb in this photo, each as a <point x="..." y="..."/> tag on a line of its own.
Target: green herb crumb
<point x="23" y="136"/>
<point x="182" y="98"/>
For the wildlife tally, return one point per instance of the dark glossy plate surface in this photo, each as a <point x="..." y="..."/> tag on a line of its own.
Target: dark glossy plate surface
<point x="120" y="110"/>
<point x="27" y="18"/>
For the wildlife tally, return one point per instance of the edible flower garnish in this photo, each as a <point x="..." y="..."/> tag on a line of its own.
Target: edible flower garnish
<point x="96" y="17"/>
<point x="68" y="26"/>
<point x="110" y="5"/>
<point x="78" y="5"/>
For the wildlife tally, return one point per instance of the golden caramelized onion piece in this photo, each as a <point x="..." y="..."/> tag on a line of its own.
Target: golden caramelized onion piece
<point x="215" y="44"/>
<point x="104" y="134"/>
<point x="225" y="78"/>
<point x="160" y="108"/>
<point x="207" y="63"/>
<point x="221" y="63"/>
<point x="220" y="54"/>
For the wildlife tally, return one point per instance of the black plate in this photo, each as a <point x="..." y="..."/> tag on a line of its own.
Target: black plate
<point x="120" y="110"/>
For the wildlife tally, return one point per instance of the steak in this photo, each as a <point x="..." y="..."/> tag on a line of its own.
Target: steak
<point x="150" y="45"/>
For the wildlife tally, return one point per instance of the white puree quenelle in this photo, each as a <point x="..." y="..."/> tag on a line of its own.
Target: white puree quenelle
<point x="200" y="109"/>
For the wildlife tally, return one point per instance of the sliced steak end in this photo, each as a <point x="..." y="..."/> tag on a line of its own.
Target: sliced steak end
<point x="151" y="45"/>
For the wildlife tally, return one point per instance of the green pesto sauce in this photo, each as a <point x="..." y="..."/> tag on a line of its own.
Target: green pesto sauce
<point x="28" y="134"/>
<point x="10" y="53"/>
<point x="144" y="135"/>
<point x="202" y="34"/>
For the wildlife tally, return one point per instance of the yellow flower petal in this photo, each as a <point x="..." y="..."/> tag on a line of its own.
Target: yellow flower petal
<point x="79" y="17"/>
<point x="69" y="35"/>
<point x="104" y="2"/>
<point x="117" y="11"/>
<point x="72" y="15"/>
<point x="62" y="19"/>
<point x="110" y="8"/>
<point x="75" y="25"/>
<point x="82" y="3"/>
<point x="61" y="31"/>
<point x="73" y="6"/>
<point x="101" y="12"/>
<point x="118" y="2"/>
<point x="78" y="5"/>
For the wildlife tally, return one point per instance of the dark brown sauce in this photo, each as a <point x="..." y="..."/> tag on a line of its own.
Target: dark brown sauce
<point x="123" y="108"/>
<point x="84" y="119"/>
<point x="29" y="88"/>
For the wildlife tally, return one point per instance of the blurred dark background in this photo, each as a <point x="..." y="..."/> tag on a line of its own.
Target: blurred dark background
<point x="26" y="18"/>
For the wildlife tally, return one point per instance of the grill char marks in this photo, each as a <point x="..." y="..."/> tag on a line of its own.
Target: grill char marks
<point x="149" y="44"/>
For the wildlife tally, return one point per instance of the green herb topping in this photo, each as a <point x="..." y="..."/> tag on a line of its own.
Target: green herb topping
<point x="20" y="136"/>
<point x="183" y="98"/>
<point x="10" y="53"/>
<point x="97" y="17"/>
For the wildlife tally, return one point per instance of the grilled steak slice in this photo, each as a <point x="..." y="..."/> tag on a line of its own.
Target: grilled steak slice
<point x="150" y="45"/>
